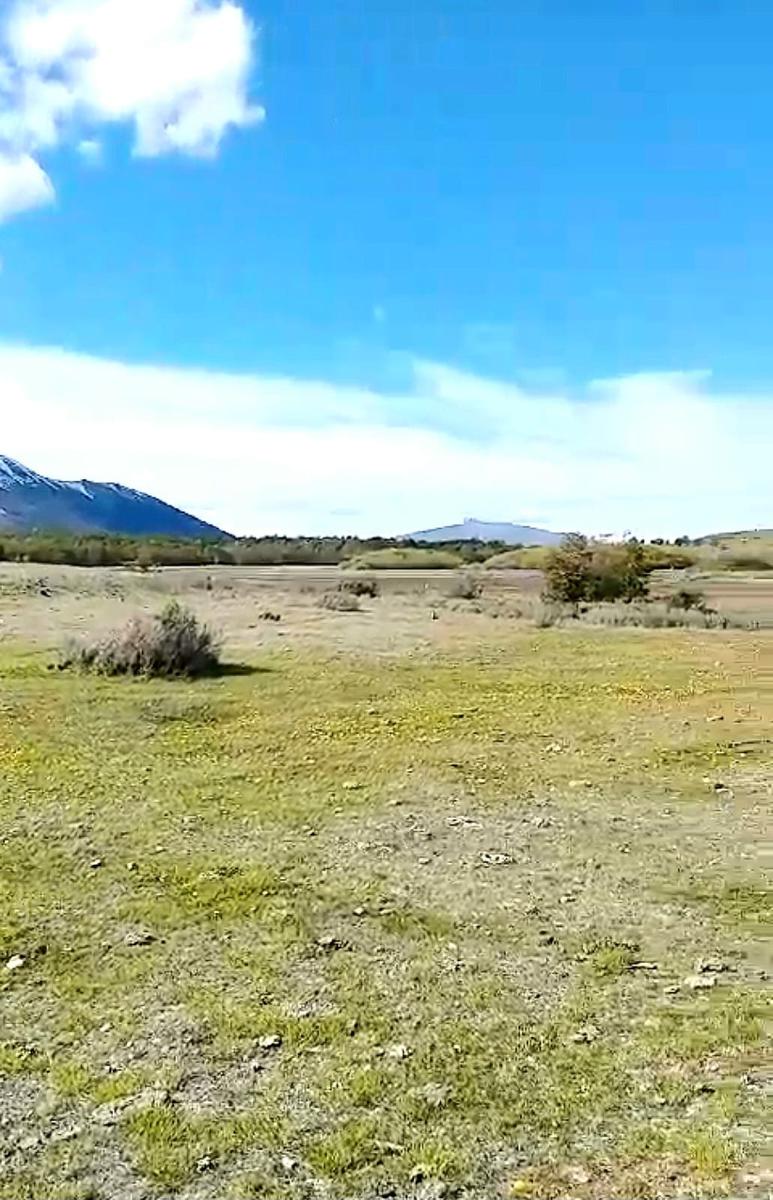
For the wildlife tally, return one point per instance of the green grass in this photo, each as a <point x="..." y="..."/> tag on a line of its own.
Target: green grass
<point x="390" y="915"/>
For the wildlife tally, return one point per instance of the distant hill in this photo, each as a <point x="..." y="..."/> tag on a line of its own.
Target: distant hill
<point x="489" y="531"/>
<point x="31" y="501"/>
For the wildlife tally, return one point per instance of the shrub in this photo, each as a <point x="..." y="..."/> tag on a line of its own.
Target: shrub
<point x="580" y="571"/>
<point x="406" y="557"/>
<point x="529" y="558"/>
<point x="466" y="587"/>
<point x="360" y="587"/>
<point x="686" y="600"/>
<point x="339" y="602"/>
<point x="172" y="643"/>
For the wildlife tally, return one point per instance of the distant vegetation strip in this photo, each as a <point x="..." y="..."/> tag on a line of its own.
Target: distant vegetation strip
<point x="737" y="553"/>
<point x="109" y="550"/>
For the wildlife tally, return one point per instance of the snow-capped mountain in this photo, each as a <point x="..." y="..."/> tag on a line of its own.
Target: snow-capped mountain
<point x="32" y="501"/>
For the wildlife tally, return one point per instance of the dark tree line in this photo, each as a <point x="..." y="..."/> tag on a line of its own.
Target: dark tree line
<point x="111" y="550"/>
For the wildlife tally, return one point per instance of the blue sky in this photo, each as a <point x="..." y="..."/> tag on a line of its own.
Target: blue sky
<point x="290" y="236"/>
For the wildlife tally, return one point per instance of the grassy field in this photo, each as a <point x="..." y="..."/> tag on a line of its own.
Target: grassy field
<point x="413" y="902"/>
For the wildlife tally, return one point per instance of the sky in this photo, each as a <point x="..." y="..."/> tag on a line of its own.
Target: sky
<point x="373" y="267"/>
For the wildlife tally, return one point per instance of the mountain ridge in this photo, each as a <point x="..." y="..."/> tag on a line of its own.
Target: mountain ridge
<point x="29" y="501"/>
<point x="472" y="529"/>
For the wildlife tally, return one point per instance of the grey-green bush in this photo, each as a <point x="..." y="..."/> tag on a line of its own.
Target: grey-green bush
<point x="339" y="602"/>
<point x="173" y="643"/>
<point x="359" y="587"/>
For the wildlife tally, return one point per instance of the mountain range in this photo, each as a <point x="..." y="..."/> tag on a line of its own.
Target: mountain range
<point x="489" y="531"/>
<point x="31" y="501"/>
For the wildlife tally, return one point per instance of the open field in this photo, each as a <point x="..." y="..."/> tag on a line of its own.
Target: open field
<point x="419" y="901"/>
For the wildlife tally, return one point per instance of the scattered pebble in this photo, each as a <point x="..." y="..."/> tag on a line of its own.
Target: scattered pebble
<point x="711" y="966"/>
<point x="330" y="942"/>
<point x="585" y="1035"/>
<point x="424" y="862"/>
<point x="95" y="864"/>
<point x="139" y="937"/>
<point x="206" y="1163"/>
<point x="359" y="911"/>
<point x="490" y="859"/>
<point x="399" y="1052"/>
<point x="271" y="1041"/>
<point x="700" y="982"/>
<point x="15" y="962"/>
<point x="288" y="1163"/>
<point x="643" y="966"/>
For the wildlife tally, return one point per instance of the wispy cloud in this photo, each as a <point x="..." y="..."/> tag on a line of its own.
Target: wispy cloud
<point x="176" y="71"/>
<point x="656" y="453"/>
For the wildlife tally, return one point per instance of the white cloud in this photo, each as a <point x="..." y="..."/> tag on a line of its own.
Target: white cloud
<point x="90" y="150"/>
<point x="23" y="185"/>
<point x="176" y="71"/>
<point x="657" y="453"/>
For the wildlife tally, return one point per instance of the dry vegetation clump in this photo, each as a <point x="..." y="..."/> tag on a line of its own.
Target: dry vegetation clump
<point x="466" y="586"/>
<point x="359" y="587"/>
<point x="339" y="602"/>
<point x="173" y="643"/>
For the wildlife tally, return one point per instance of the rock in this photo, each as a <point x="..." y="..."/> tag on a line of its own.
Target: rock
<point x="206" y="1163"/>
<point x="66" y="1134"/>
<point x="95" y="864"/>
<point x="15" y="962"/>
<point x="288" y="1163"/>
<point x="330" y="942"/>
<point x="271" y="1041"/>
<point x="492" y="859"/>
<point x="700" y="982"/>
<point x="399" y="1052"/>
<point x="139" y="937"/>
<point x="424" y="862"/>
<point x="359" y="911"/>
<point x="671" y="990"/>
<point x="585" y="1035"/>
<point x="712" y="966"/>
<point x="643" y="966"/>
<point x="351" y="786"/>
<point x="576" y="1175"/>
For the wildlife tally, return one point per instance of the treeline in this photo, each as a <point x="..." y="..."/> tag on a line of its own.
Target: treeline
<point x="90" y="550"/>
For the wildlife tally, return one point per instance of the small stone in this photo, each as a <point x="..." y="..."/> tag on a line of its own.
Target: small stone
<point x="577" y="1175"/>
<point x="643" y="966"/>
<point x="585" y="1035"/>
<point x="351" y="786"/>
<point x="329" y="942"/>
<point x="579" y="783"/>
<point x="132" y="866"/>
<point x="671" y="990"/>
<point x="492" y="859"/>
<point x="206" y="1163"/>
<point x="15" y="962"/>
<point x="359" y="911"/>
<point x="139" y="937"/>
<point x="271" y="1041"/>
<point x="95" y="864"/>
<point x="399" y="1052"/>
<point x="288" y="1163"/>
<point x="700" y="982"/>
<point x="67" y="1134"/>
<point x="424" y="862"/>
<point x="713" y="966"/>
